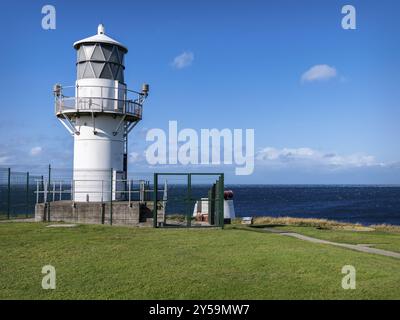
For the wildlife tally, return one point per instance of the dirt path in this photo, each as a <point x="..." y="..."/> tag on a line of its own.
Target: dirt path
<point x="357" y="247"/>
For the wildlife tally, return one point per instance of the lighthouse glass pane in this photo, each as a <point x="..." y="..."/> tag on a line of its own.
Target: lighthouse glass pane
<point x="81" y="69"/>
<point x="97" y="68"/>
<point x="107" y="50"/>
<point x="88" y="51"/>
<point x="98" y="54"/>
<point x="121" y="56"/>
<point x="81" y="54"/>
<point x="106" y="73"/>
<point x="120" y="75"/>
<point x="114" y="56"/>
<point x="88" y="73"/>
<point x="114" y="69"/>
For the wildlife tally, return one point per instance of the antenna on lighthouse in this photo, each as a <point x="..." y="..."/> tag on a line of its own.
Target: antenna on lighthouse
<point x="100" y="29"/>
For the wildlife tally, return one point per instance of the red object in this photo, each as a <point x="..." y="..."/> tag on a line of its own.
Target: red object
<point x="228" y="194"/>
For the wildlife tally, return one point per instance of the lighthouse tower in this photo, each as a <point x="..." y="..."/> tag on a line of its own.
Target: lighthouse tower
<point x="99" y="112"/>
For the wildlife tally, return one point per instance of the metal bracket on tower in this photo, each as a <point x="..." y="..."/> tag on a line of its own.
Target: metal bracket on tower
<point x="115" y="132"/>
<point x="94" y="122"/>
<point x="70" y="127"/>
<point x="131" y="126"/>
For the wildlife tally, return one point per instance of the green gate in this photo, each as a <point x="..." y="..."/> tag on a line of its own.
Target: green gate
<point x="215" y="198"/>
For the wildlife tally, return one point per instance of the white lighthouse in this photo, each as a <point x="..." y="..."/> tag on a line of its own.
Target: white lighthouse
<point x="99" y="112"/>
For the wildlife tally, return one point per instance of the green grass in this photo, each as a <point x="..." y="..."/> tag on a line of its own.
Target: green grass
<point x="14" y="217"/>
<point x="377" y="239"/>
<point x="94" y="262"/>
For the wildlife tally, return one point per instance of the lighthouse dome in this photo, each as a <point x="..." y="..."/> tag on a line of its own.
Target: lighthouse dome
<point x="100" y="56"/>
<point x="100" y="37"/>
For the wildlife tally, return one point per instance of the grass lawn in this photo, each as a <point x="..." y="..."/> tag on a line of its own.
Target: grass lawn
<point x="377" y="239"/>
<point x="15" y="216"/>
<point x="95" y="262"/>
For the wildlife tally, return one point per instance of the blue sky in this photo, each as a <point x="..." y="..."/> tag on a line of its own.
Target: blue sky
<point x="246" y="60"/>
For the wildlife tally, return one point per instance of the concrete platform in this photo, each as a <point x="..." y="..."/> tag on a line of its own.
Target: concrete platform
<point x="134" y="213"/>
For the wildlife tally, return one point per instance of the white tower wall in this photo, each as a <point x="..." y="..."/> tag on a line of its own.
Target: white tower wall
<point x="229" y="210"/>
<point x="103" y="94"/>
<point x="95" y="155"/>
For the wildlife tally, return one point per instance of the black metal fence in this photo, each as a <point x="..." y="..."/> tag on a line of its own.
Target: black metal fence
<point x="193" y="196"/>
<point x="17" y="193"/>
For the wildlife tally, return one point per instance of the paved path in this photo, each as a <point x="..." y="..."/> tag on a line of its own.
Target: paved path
<point x="357" y="247"/>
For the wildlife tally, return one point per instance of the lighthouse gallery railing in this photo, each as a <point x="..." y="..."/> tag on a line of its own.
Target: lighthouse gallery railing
<point x="132" y="105"/>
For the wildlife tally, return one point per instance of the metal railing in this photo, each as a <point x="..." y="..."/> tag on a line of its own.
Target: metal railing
<point x="94" y="104"/>
<point x="130" y="105"/>
<point x="132" y="190"/>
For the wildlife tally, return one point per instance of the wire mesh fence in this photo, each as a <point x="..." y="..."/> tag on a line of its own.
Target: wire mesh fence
<point x="92" y="190"/>
<point x="17" y="193"/>
<point x="192" y="199"/>
<point x="186" y="199"/>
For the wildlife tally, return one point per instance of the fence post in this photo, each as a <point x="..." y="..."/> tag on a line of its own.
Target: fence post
<point x="111" y="195"/>
<point x="72" y="190"/>
<point x="221" y="201"/>
<point x="102" y="191"/>
<point x="54" y="190"/>
<point x="48" y="196"/>
<point x="129" y="193"/>
<point x="216" y="204"/>
<point x="211" y="205"/>
<point x="42" y="185"/>
<point x="189" y="196"/>
<point x="9" y="193"/>
<point x="27" y="194"/>
<point x="155" y="183"/>
<point x="37" y="191"/>
<point x="142" y="190"/>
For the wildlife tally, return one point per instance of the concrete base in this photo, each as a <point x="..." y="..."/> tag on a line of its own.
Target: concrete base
<point x="135" y="214"/>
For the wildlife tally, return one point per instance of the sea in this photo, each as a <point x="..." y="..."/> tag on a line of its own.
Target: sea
<point x="364" y="204"/>
<point x="356" y="204"/>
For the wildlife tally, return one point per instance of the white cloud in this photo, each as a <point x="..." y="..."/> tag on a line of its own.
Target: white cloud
<point x="36" y="151"/>
<point x="183" y="60"/>
<point x="135" y="157"/>
<point x="311" y="157"/>
<point x="318" y="73"/>
<point x="4" y="159"/>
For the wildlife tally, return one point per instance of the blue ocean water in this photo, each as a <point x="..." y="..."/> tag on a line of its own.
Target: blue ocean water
<point x="356" y="204"/>
<point x="362" y="204"/>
